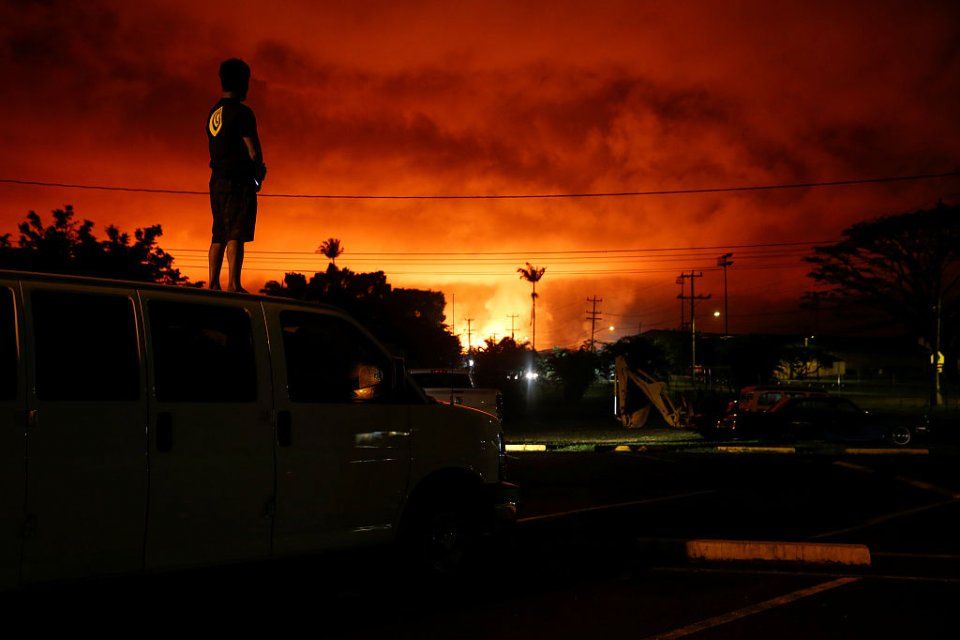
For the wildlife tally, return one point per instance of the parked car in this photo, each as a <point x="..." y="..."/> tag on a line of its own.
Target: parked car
<point x="762" y="398"/>
<point x="823" y="417"/>
<point x="752" y="399"/>
<point x="456" y="386"/>
<point x="147" y="427"/>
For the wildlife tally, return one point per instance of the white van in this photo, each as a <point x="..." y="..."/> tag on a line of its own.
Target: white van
<point x="147" y="427"/>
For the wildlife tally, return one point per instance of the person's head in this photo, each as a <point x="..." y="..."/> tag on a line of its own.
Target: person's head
<point x="235" y="77"/>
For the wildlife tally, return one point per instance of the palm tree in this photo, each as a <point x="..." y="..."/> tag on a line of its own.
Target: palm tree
<point x="332" y="249"/>
<point x="532" y="275"/>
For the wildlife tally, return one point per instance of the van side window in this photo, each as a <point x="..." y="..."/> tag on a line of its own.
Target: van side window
<point x="331" y="361"/>
<point x="86" y="347"/>
<point x="202" y="352"/>
<point x="8" y="346"/>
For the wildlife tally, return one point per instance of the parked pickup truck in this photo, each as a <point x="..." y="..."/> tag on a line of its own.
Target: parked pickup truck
<point x="456" y="386"/>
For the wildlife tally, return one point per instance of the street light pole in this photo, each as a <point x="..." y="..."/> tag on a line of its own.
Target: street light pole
<point x="725" y="261"/>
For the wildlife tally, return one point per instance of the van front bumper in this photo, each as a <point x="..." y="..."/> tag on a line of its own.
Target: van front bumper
<point x="503" y="499"/>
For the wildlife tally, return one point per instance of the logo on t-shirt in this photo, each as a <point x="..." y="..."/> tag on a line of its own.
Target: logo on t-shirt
<point x="216" y="120"/>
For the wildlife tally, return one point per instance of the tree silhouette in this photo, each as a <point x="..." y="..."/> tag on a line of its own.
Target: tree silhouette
<point x="574" y="369"/>
<point x="68" y="246"/>
<point x="410" y="321"/>
<point x="640" y="351"/>
<point x="905" y="267"/>
<point x="532" y="275"/>
<point x="502" y="365"/>
<point x="332" y="249"/>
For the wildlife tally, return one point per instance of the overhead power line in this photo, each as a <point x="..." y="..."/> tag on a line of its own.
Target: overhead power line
<point x="535" y="253"/>
<point x="502" y="196"/>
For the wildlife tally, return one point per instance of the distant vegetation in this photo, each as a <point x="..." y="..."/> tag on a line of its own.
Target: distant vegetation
<point x="70" y="247"/>
<point x="409" y="321"/>
<point x="903" y="268"/>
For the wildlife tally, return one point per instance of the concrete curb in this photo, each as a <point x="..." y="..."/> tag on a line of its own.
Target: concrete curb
<point x="754" y="551"/>
<point x="700" y="448"/>
<point x="771" y="551"/>
<point x="757" y="449"/>
<point x="513" y="448"/>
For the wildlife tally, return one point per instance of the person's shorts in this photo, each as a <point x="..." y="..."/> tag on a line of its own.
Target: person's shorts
<point x="234" y="205"/>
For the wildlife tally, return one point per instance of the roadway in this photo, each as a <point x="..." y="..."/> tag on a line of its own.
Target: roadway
<point x="592" y="558"/>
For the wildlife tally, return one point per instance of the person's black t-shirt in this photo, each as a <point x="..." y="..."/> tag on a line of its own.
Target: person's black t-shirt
<point x="229" y="122"/>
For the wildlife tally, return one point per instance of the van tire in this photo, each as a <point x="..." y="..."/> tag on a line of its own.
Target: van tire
<point x="441" y="533"/>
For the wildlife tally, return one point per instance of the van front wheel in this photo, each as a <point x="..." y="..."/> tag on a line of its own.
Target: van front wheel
<point x="442" y="534"/>
<point x="446" y="541"/>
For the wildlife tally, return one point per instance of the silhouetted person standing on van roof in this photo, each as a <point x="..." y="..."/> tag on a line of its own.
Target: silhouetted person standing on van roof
<point x="237" y="167"/>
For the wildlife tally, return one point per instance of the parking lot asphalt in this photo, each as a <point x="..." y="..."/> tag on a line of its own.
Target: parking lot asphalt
<point x="580" y="564"/>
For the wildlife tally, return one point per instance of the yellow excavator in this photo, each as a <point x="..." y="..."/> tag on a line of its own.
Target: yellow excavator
<point x="637" y="392"/>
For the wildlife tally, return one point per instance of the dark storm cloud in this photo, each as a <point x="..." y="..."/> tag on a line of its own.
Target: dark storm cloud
<point x="493" y="98"/>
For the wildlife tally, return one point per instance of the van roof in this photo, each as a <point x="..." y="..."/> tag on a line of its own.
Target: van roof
<point x="130" y="284"/>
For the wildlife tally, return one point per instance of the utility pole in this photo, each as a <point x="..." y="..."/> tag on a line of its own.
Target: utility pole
<point x="593" y="315"/>
<point x="469" y="334"/>
<point x="512" y="316"/>
<point x="693" y="297"/>
<point x="453" y="323"/>
<point x="936" y="399"/>
<point x="680" y="280"/>
<point x="725" y="261"/>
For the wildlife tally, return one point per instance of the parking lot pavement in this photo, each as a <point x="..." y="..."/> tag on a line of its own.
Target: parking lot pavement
<point x="860" y="608"/>
<point x="576" y="568"/>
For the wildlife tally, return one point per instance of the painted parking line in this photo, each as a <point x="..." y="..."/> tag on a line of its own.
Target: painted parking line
<point x="754" y="609"/>
<point x="916" y="484"/>
<point x="860" y="451"/>
<point x="926" y="486"/>
<point x="853" y="467"/>
<point x="916" y="556"/>
<point x="755" y="571"/>
<point x="616" y="505"/>
<point x="872" y="522"/>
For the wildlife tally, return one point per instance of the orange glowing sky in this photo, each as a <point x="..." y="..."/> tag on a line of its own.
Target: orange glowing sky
<point x="491" y="97"/>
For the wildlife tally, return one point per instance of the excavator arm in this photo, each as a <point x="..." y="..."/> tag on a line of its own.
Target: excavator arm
<point x="631" y="410"/>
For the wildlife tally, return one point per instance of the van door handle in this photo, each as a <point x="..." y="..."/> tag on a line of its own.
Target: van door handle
<point x="284" y="428"/>
<point x="164" y="431"/>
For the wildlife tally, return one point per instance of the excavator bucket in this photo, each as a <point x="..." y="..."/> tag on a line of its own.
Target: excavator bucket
<point x="637" y="393"/>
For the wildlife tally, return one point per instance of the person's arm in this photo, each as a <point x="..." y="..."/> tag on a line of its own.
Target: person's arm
<point x="252" y="140"/>
<point x="253" y="148"/>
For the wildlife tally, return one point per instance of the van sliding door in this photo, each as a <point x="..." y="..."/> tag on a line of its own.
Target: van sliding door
<point x="211" y="433"/>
